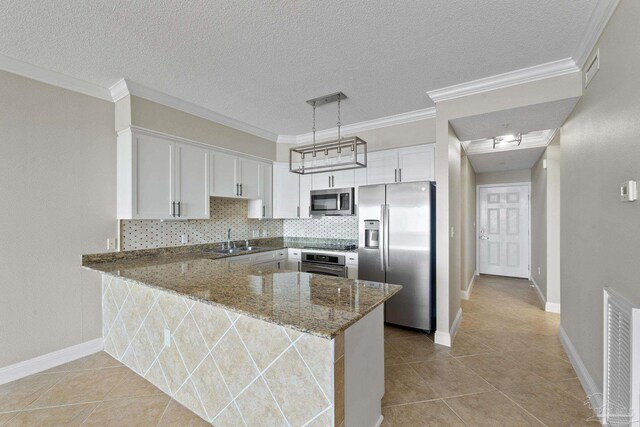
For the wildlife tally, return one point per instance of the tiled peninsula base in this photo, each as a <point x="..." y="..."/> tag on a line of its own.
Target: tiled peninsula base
<point x="230" y="368"/>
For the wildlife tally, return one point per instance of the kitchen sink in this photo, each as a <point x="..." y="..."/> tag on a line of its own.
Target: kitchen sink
<point x="236" y="250"/>
<point x="249" y="248"/>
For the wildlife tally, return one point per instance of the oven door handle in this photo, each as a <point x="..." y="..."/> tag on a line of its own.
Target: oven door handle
<point x="321" y="268"/>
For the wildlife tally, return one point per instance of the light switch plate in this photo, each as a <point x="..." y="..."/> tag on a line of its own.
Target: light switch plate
<point x="185" y="238"/>
<point x="628" y="191"/>
<point x="111" y="244"/>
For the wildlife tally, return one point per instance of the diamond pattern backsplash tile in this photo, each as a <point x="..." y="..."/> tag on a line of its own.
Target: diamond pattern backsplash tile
<point x="231" y="213"/>
<point x="229" y="369"/>
<point x="225" y="214"/>
<point x="334" y="227"/>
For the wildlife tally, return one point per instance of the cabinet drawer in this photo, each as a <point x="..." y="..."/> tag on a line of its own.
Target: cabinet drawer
<point x="295" y="253"/>
<point x="281" y="254"/>
<point x="264" y="257"/>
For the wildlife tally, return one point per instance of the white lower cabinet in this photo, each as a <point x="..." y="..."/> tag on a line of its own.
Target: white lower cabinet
<point x="351" y="261"/>
<point x="294" y="257"/>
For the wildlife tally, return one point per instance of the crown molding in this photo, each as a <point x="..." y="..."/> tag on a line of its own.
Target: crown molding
<point x="530" y="140"/>
<point x="596" y="25"/>
<point x="53" y="78"/>
<point x="126" y="87"/>
<point x="499" y="81"/>
<point x="396" y="119"/>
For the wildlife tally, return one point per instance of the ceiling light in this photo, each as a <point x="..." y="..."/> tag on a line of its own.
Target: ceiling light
<point x="334" y="155"/>
<point x="512" y="140"/>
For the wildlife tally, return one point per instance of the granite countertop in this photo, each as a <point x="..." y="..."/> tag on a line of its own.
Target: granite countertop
<point x="316" y="304"/>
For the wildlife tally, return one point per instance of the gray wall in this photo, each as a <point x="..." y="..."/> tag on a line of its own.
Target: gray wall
<point x="468" y="181"/>
<point x="58" y="192"/>
<point x="539" y="224"/>
<point x="600" y="236"/>
<point x="503" y="177"/>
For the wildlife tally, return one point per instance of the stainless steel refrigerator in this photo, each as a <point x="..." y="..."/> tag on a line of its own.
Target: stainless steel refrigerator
<point x="397" y="245"/>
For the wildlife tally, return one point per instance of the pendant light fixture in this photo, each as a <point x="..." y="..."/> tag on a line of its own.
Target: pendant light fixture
<point x="334" y="155"/>
<point x="507" y="140"/>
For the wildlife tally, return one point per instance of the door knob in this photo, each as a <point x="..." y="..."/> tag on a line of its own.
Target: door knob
<point x="483" y="237"/>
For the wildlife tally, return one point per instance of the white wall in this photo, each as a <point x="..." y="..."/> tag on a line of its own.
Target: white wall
<point x="600" y="236"/>
<point x="58" y="192"/>
<point x="468" y="180"/>
<point x="539" y="224"/>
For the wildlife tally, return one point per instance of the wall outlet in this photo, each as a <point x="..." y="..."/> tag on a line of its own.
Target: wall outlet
<point x="185" y="238"/>
<point x="167" y="337"/>
<point x="111" y="244"/>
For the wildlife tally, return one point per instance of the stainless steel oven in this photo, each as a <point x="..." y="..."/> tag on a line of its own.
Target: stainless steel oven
<point x="333" y="201"/>
<point x="324" y="263"/>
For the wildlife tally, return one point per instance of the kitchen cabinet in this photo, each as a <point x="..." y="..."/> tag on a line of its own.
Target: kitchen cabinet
<point x="234" y="176"/>
<point x="294" y="258"/>
<point x="262" y="205"/>
<point x="159" y="178"/>
<point x="400" y="165"/>
<point x="286" y="192"/>
<point x="337" y="179"/>
<point x="416" y="163"/>
<point x="351" y="262"/>
<point x="305" y="195"/>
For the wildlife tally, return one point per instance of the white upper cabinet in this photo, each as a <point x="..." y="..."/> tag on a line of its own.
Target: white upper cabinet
<point x="262" y="206"/>
<point x="306" y="184"/>
<point x="225" y="170"/>
<point x="286" y="192"/>
<point x="159" y="178"/>
<point x="382" y="167"/>
<point x="249" y="179"/>
<point x="192" y="182"/>
<point x="416" y="163"/>
<point x="343" y="179"/>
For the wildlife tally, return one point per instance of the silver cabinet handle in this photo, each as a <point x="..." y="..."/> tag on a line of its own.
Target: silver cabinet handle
<point x="346" y="271"/>
<point x="329" y="181"/>
<point x="309" y="210"/>
<point x="298" y="265"/>
<point x="173" y="209"/>
<point x="400" y="174"/>
<point x="179" y="210"/>
<point x="298" y="211"/>
<point x="395" y="175"/>
<point x="237" y="189"/>
<point x="241" y="189"/>
<point x="278" y="265"/>
<point x="263" y="210"/>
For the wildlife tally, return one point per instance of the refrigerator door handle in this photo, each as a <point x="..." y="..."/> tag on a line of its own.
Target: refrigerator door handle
<point x="382" y="243"/>
<point x="387" y="210"/>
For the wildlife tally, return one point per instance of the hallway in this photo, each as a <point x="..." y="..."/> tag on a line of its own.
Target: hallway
<point x="506" y="367"/>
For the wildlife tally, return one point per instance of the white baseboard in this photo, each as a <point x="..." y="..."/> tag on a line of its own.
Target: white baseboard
<point x="50" y="360"/>
<point x="446" y="338"/>
<point x="379" y="423"/>
<point x="541" y="296"/>
<point x="442" y="338"/>
<point x="552" y="307"/>
<point x="467" y="294"/>
<point x="588" y="384"/>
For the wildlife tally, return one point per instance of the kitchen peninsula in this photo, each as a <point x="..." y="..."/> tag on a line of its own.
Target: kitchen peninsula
<point x="235" y="342"/>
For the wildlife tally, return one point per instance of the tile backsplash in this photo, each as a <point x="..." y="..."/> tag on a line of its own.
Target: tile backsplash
<point x="225" y="214"/>
<point x="231" y="213"/>
<point x="334" y="227"/>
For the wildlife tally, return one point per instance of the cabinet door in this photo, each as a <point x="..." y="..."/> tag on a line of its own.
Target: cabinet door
<point x="153" y="172"/>
<point x="224" y="175"/>
<point x="192" y="182"/>
<point x="416" y="163"/>
<point x="266" y="185"/>
<point x="305" y="195"/>
<point x="382" y="167"/>
<point x="352" y="271"/>
<point x="249" y="179"/>
<point x="343" y="179"/>
<point x="320" y="181"/>
<point x="286" y="192"/>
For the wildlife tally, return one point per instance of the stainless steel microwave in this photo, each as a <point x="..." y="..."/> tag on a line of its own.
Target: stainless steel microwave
<point x="333" y="201"/>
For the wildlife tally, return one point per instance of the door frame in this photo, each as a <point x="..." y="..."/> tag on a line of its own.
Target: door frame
<point x="476" y="233"/>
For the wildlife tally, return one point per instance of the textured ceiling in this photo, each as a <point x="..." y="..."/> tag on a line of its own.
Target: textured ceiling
<point x="258" y="61"/>
<point x="505" y="160"/>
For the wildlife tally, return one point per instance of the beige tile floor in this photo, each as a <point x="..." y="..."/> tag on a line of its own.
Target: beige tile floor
<point x="506" y="367"/>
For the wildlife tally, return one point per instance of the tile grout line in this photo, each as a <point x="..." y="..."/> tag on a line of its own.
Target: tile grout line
<point x="455" y="413"/>
<point x="519" y="406"/>
<point x="164" y="412"/>
<point x="312" y="375"/>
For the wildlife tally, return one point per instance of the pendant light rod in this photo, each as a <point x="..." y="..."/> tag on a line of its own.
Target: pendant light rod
<point x="326" y="99"/>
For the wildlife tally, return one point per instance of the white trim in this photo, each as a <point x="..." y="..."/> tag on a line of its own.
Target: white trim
<point x="596" y="25"/>
<point x="397" y="119"/>
<point x="49" y="360"/>
<point x="467" y="294"/>
<point x="182" y="140"/>
<point x="511" y="78"/>
<point x="552" y="307"/>
<point x="588" y="384"/>
<point x="541" y="296"/>
<point x="530" y="140"/>
<point x="477" y="236"/>
<point x="53" y="78"/>
<point x="379" y="423"/>
<point x="442" y="338"/>
<point x="456" y="324"/>
<point x="126" y="87"/>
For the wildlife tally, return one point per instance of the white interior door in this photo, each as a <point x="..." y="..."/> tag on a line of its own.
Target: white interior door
<point x="503" y="230"/>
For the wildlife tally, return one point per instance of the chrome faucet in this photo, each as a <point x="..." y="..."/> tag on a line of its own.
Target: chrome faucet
<point x="229" y="239"/>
